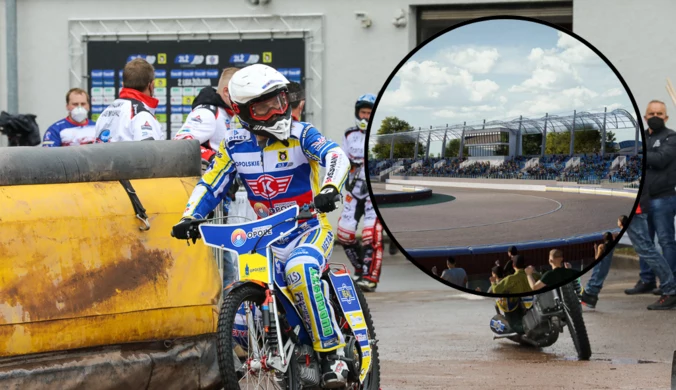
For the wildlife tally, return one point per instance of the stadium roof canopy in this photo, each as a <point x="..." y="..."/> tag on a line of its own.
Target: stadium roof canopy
<point x="616" y="119"/>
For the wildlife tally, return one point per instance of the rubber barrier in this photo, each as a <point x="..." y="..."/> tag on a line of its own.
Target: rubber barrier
<point x="409" y="195"/>
<point x="478" y="260"/>
<point x="100" y="162"/>
<point x="625" y="193"/>
<point x="518" y="187"/>
<point x="77" y="272"/>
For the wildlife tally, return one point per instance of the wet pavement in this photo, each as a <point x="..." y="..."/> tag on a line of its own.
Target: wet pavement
<point x="435" y="337"/>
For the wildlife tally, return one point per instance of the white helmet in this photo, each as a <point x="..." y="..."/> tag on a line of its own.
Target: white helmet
<point x="260" y="99"/>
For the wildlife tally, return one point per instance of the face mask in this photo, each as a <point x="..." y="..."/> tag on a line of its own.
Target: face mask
<point x="656" y="123"/>
<point x="78" y="114"/>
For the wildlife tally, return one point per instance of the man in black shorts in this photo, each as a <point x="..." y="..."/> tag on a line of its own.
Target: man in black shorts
<point x="556" y="276"/>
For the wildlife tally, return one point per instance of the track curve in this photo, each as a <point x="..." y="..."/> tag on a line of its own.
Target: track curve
<point x="489" y="217"/>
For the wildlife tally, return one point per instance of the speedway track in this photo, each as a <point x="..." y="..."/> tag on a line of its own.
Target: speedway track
<point x="489" y="217"/>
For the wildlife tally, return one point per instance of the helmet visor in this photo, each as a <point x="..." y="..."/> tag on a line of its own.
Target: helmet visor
<point x="265" y="109"/>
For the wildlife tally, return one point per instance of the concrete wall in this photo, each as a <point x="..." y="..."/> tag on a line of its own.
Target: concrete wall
<point x="634" y="37"/>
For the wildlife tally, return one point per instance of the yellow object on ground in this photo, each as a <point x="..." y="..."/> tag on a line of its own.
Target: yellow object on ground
<point x="76" y="271"/>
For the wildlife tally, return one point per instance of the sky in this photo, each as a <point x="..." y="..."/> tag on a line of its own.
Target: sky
<point x="499" y="70"/>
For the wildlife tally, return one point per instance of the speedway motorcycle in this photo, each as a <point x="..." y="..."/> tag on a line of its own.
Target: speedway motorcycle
<point x="545" y="317"/>
<point x="258" y="317"/>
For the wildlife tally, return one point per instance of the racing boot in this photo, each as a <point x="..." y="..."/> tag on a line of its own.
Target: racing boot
<point x="335" y="370"/>
<point x="367" y="285"/>
<point x="353" y="253"/>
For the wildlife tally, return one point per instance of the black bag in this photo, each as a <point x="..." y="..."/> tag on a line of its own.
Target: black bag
<point x="21" y="129"/>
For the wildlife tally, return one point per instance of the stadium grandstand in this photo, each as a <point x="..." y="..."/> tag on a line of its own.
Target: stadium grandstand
<point x="494" y="150"/>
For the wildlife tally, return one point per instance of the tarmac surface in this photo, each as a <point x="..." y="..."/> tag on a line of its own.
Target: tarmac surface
<point x="435" y="337"/>
<point x="490" y="217"/>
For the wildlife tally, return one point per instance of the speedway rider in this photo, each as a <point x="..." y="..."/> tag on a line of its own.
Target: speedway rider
<point x="278" y="161"/>
<point x="366" y="258"/>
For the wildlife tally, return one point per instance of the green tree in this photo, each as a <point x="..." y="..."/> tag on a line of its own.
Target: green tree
<point x="610" y="139"/>
<point x="403" y="148"/>
<point x="586" y="141"/>
<point x="453" y="146"/>
<point x="531" y="144"/>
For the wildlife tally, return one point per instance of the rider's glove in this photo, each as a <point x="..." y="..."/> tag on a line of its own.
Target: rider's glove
<point x="185" y="229"/>
<point x="325" y="201"/>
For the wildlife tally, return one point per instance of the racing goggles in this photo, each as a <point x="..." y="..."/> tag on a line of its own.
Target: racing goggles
<point x="263" y="110"/>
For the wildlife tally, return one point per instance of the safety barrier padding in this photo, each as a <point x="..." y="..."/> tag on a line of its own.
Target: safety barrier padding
<point x="625" y="193"/>
<point x="76" y="271"/>
<point x="100" y="162"/>
<point x="477" y="261"/>
<point x="409" y="194"/>
<point x="455" y="184"/>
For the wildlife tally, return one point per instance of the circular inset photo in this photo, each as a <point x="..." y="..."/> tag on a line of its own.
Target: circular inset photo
<point x="506" y="157"/>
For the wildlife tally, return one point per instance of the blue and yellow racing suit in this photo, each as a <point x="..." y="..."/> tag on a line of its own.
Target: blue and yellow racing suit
<point x="277" y="177"/>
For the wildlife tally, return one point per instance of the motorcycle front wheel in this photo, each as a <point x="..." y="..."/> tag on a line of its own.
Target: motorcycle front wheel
<point x="576" y="326"/>
<point x="244" y="304"/>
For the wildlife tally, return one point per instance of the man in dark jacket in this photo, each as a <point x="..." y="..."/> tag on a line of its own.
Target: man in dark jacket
<point x="657" y="207"/>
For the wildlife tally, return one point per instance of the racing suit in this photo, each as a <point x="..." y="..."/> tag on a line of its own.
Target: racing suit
<point x="129" y="118"/>
<point x="357" y="204"/>
<point x="66" y="132"/>
<point x="208" y="122"/>
<point x="277" y="177"/>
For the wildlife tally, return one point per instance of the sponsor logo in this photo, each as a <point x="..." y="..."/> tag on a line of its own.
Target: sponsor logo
<point x="324" y="318"/>
<point x="261" y="210"/>
<point x="269" y="83"/>
<point x="269" y="186"/>
<point x="361" y="337"/>
<point x="105" y="137"/>
<point x="146" y="126"/>
<point x="332" y="167"/>
<point x="196" y="119"/>
<point x="267" y="57"/>
<point x="301" y="305"/>
<point x="327" y="241"/>
<point x="238" y="238"/>
<point x="348" y="198"/>
<point x="244" y="58"/>
<point x="366" y="354"/>
<point x="282" y="155"/>
<point x="247" y="163"/>
<point x="284" y="165"/>
<point x="294" y="279"/>
<point x="498" y="325"/>
<point x="356" y="319"/>
<point x="212" y="59"/>
<point x="332" y="342"/>
<point x="318" y="144"/>
<point x="346" y="294"/>
<point x="260" y="231"/>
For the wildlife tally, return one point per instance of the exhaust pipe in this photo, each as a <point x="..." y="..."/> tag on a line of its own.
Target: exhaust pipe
<point x="503" y="336"/>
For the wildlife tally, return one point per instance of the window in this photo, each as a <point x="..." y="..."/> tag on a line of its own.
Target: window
<point x="433" y="19"/>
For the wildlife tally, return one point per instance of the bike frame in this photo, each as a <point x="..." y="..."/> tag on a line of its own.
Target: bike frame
<point x="266" y="272"/>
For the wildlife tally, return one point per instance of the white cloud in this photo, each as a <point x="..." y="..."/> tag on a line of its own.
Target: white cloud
<point x="553" y="102"/>
<point x="478" y="61"/>
<point x="445" y="114"/>
<point x="429" y="82"/>
<point x="574" y="51"/>
<point x="613" y="92"/>
<point x="556" y="67"/>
